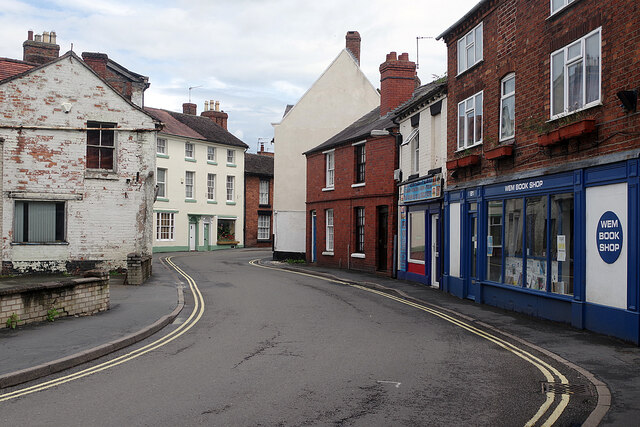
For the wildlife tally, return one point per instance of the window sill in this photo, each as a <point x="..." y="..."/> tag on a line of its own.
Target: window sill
<point x="264" y="206"/>
<point x="190" y="159"/>
<point x="99" y="174"/>
<point x="358" y="255"/>
<point x="264" y="240"/>
<point x="162" y="156"/>
<point x="327" y="253"/>
<point x="459" y="150"/>
<point x="231" y="203"/>
<point x="190" y="201"/>
<point x="569" y="113"/>
<point x="231" y="165"/>
<point x="210" y="162"/>
<point x="162" y="199"/>
<point x="212" y="202"/>
<point x="359" y="184"/>
<point x="39" y="243"/>
<point x="477" y="64"/>
<point x="328" y="189"/>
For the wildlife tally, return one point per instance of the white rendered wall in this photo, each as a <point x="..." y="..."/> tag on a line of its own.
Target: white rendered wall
<point x="289" y="230"/>
<point x="606" y="284"/>
<point x="454" y="239"/>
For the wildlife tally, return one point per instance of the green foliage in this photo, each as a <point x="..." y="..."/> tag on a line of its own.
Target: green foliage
<point x="12" y="321"/>
<point x="51" y="314"/>
<point x="295" y="261"/>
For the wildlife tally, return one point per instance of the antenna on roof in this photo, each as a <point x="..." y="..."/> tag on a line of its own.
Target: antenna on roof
<point x="192" y="87"/>
<point x="417" y="56"/>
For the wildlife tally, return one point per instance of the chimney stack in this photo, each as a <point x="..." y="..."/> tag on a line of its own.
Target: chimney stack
<point x="97" y="61"/>
<point x="353" y="44"/>
<point x="220" y="117"/>
<point x="397" y="81"/>
<point x="189" y="108"/>
<point x="41" y="50"/>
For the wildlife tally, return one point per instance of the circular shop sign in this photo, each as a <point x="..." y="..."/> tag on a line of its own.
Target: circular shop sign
<point x="609" y="237"/>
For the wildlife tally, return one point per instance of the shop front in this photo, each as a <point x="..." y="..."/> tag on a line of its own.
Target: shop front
<point x="562" y="247"/>
<point x="420" y="210"/>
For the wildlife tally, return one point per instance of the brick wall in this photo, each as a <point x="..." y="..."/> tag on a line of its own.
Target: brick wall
<point x="519" y="37"/>
<point x="78" y="297"/>
<point x="252" y="209"/>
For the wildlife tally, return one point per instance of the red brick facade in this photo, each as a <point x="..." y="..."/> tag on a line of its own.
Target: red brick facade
<point x="519" y="38"/>
<point x="253" y="208"/>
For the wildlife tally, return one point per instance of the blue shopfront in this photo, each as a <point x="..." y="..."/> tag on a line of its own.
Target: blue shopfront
<point x="420" y="211"/>
<point x="562" y="247"/>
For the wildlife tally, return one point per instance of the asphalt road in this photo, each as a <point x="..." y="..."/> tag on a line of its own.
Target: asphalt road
<point x="274" y="348"/>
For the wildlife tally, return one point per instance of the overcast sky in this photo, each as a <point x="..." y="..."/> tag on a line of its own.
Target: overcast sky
<point x="254" y="56"/>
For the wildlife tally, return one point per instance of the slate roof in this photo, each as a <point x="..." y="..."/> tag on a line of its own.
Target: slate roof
<point x="12" y="67"/>
<point x="197" y="127"/>
<point x="255" y="164"/>
<point x="358" y="130"/>
<point x="421" y="94"/>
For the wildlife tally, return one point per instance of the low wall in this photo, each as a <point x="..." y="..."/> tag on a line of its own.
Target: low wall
<point x="139" y="268"/>
<point x="31" y="303"/>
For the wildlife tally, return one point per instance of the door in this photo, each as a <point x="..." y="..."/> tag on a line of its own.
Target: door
<point x="206" y="236"/>
<point x="472" y="262"/>
<point x="383" y="237"/>
<point x="192" y="236"/>
<point x="435" y="250"/>
<point x="313" y="236"/>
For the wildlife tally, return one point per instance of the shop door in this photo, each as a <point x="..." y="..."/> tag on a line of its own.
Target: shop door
<point x="313" y="236"/>
<point x="435" y="250"/>
<point x="192" y="236"/>
<point x="383" y="227"/>
<point x="473" y="255"/>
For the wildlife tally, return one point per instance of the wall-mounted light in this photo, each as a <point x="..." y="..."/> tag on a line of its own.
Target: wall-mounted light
<point x="629" y="99"/>
<point x="66" y="107"/>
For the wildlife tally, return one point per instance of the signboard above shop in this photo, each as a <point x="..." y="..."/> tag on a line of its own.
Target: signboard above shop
<point x="424" y="189"/>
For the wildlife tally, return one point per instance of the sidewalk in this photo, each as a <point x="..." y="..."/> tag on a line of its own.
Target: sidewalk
<point x="610" y="360"/>
<point x="136" y="312"/>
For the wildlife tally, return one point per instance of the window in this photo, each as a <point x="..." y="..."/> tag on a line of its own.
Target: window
<point x="536" y="242"/>
<point x="189" y="180"/>
<point x="470" y="49"/>
<point x="360" y="162"/>
<point x="556" y="5"/>
<point x="211" y="187"/>
<point x="231" y="156"/>
<point x="100" y="145"/>
<point x="416" y="236"/>
<point x="264" y="227"/>
<point x="226" y="230"/>
<point x="507" y="107"/>
<point x="329" y="169"/>
<point x="161" y="146"/>
<point x="359" y="230"/>
<point x="264" y="192"/>
<point x="470" y="121"/>
<point x="165" y="225"/>
<point x="415" y="154"/>
<point x="161" y="182"/>
<point x="230" y="188"/>
<point x="329" y="230"/>
<point x="211" y="154"/>
<point x="188" y="150"/>
<point x="562" y="243"/>
<point x="39" y="222"/>
<point x="575" y="75"/>
<point x="494" y="241"/>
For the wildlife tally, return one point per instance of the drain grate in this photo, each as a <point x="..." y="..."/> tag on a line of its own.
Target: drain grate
<point x="558" y="388"/>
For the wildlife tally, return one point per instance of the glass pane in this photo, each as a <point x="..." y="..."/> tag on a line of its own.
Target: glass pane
<point x="106" y="158"/>
<point x="507" y="119"/>
<point x="478" y="41"/>
<point x="513" y="242"/>
<point x="562" y="243"/>
<point x="469" y="136"/>
<point x="93" y="157"/>
<point x="557" y="4"/>
<point x="462" y="63"/>
<point x="592" y="64"/>
<point x="537" y="243"/>
<point x="461" y="125"/>
<point x="509" y="86"/>
<point x="474" y="247"/>
<point x="18" y="215"/>
<point x="575" y="86"/>
<point x="42" y="222"/>
<point x="471" y="58"/>
<point x="107" y="138"/>
<point x="478" y="127"/>
<point x="494" y="241"/>
<point x="574" y="51"/>
<point x="416" y="236"/>
<point x="93" y="136"/>
<point x="557" y="80"/>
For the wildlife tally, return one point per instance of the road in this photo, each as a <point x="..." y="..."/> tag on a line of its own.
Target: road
<point x="256" y="346"/>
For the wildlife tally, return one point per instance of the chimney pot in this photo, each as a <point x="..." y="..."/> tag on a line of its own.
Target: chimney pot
<point x="53" y="37"/>
<point x="206" y="105"/>
<point x="217" y="105"/>
<point x="353" y="44"/>
<point x="397" y="81"/>
<point x="30" y="35"/>
<point x="189" y="108"/>
<point x="39" y="37"/>
<point x="45" y="37"/>
<point x="403" y="57"/>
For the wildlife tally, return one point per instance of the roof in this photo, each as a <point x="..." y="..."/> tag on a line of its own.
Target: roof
<point x="461" y="20"/>
<point x="198" y="127"/>
<point x="421" y="95"/>
<point x="12" y="67"/>
<point x="287" y="109"/>
<point x="256" y="164"/>
<point x="356" y="131"/>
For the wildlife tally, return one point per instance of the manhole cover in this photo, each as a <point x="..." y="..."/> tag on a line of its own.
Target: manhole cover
<point x="558" y="388"/>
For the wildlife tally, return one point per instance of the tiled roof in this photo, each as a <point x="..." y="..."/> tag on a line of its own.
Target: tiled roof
<point x="12" y="67"/>
<point x="358" y="130"/>
<point x="191" y="126"/>
<point x="255" y="164"/>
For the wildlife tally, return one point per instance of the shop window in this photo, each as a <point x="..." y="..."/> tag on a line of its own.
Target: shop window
<point x="562" y="243"/>
<point x="100" y="145"/>
<point x="38" y="222"/>
<point x="416" y="237"/>
<point x="494" y="241"/>
<point x="514" y="216"/>
<point x="507" y="107"/>
<point x="226" y="230"/>
<point x="536" y="238"/>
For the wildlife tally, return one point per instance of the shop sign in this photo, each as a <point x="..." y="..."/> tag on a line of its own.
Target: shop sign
<point x="425" y="189"/>
<point x="522" y="186"/>
<point x="609" y="237"/>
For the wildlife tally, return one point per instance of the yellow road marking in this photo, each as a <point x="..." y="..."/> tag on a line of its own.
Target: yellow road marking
<point x="193" y="318"/>
<point x="547" y="370"/>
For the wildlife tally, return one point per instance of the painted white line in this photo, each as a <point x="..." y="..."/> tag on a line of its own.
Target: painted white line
<point x="395" y="383"/>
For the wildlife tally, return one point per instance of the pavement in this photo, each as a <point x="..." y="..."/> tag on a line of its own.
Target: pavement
<point x="36" y="350"/>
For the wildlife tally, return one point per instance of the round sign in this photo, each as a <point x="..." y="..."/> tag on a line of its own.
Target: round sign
<point x="609" y="237"/>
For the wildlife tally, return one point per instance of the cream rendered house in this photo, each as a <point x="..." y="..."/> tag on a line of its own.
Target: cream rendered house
<point x="200" y="182"/>
<point x="341" y="95"/>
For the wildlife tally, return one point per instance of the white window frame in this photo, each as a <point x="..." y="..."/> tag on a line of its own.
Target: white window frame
<point x="503" y="97"/>
<point x="189" y="184"/>
<point x="470" y="42"/>
<point x="162" y="184"/>
<point x="231" y="188"/>
<point x="409" y="229"/>
<point x="211" y="154"/>
<point x="329" y="169"/>
<point x="264" y="227"/>
<point x="470" y="107"/>
<point x="263" y="192"/>
<point x="189" y="150"/>
<point x="415" y="154"/>
<point x="329" y="237"/>
<point x="211" y="187"/>
<point x="564" y="4"/>
<point x="161" y="146"/>
<point x="568" y="62"/>
<point x="231" y="157"/>
<point x="165" y="230"/>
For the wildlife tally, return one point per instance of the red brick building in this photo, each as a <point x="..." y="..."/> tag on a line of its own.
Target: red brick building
<point x="351" y="192"/>
<point x="258" y="210"/>
<point x="543" y="138"/>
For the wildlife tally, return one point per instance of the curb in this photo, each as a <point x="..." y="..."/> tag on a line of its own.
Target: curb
<point x="39" y="371"/>
<point x="603" y="403"/>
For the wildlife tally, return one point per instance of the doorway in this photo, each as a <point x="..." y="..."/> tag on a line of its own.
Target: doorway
<point x="435" y="250"/>
<point x="192" y="236"/>
<point x="472" y="251"/>
<point x="313" y="236"/>
<point x="383" y="238"/>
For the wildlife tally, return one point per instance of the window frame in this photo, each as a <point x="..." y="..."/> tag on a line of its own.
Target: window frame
<point x="329" y="169"/>
<point x="474" y="102"/>
<point x="161" y="142"/>
<point x="167" y="230"/>
<point x="565" y="4"/>
<point x="360" y="162"/>
<point x="262" y="227"/>
<point x="161" y="184"/>
<point x="231" y="157"/>
<point x="211" y="154"/>
<point x="189" y="150"/>
<point x="263" y="192"/>
<point x="503" y="97"/>
<point x="359" y="216"/>
<point x="59" y="222"/>
<point x="470" y="44"/>
<point x="410" y="227"/>
<point x="231" y="188"/>
<point x="211" y="187"/>
<point x="189" y="185"/>
<point x="329" y="231"/>
<point x="102" y="129"/>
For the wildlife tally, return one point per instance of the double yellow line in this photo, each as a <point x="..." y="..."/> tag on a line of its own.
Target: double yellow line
<point x="549" y="372"/>
<point x="193" y="318"/>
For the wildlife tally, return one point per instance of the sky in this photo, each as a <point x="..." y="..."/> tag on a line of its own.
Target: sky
<point x="254" y="56"/>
